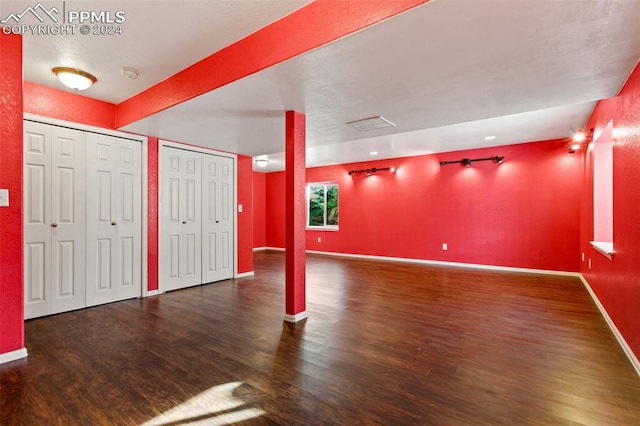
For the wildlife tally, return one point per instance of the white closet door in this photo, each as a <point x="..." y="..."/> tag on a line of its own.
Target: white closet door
<point x="180" y="219"/>
<point x="54" y="219"/>
<point x="217" y="218"/>
<point x="114" y="219"/>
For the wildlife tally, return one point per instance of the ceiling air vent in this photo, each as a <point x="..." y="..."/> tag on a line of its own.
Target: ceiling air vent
<point x="371" y="123"/>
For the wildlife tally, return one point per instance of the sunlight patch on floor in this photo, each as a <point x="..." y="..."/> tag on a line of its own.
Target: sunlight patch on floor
<point x="215" y="406"/>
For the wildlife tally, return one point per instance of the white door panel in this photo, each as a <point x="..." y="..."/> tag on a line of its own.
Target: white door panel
<point x="180" y="212"/>
<point x="114" y="213"/>
<point x="54" y="219"/>
<point x="217" y="223"/>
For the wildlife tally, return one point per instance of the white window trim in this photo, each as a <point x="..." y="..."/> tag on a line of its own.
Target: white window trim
<point x="605" y="248"/>
<point x="323" y="227"/>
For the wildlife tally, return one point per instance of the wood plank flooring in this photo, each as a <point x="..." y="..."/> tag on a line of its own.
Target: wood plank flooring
<point x="385" y="343"/>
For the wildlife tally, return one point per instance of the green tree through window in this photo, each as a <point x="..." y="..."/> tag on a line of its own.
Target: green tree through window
<point x="322" y="207"/>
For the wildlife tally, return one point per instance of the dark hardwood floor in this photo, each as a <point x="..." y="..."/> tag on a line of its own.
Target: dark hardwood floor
<point x="385" y="343"/>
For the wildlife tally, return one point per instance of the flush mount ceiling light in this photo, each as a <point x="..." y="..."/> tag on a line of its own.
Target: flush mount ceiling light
<point x="74" y="78"/>
<point x="489" y="138"/>
<point x="261" y="162"/>
<point x="371" y="123"/>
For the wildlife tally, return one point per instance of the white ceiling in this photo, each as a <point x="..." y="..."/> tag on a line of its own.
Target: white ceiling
<point x="447" y="74"/>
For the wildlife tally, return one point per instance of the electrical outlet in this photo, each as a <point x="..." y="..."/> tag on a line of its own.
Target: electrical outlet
<point x="319" y="239"/>
<point x="583" y="256"/>
<point x="445" y="246"/>
<point x="239" y="208"/>
<point x="589" y="263"/>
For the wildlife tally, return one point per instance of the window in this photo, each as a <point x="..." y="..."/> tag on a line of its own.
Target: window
<point x="322" y="206"/>
<point x="603" y="191"/>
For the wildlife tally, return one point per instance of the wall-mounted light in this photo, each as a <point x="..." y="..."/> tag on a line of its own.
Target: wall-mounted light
<point x="467" y="161"/>
<point x="74" y="78"/>
<point x="372" y="170"/>
<point x="262" y="162"/>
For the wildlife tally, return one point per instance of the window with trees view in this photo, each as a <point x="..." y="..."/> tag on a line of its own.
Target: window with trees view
<point x="322" y="205"/>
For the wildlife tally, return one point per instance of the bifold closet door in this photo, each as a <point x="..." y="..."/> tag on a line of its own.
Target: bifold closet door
<point x="114" y="219"/>
<point x="180" y="215"/>
<point x="54" y="219"/>
<point x="217" y="218"/>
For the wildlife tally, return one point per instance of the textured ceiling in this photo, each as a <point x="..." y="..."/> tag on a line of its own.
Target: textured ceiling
<point x="447" y="73"/>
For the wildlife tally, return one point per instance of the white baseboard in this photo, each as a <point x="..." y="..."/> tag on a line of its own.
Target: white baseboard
<point x="245" y="274"/>
<point x="14" y="355"/>
<point x="444" y="263"/>
<point x="297" y="317"/>
<point x="623" y="343"/>
<point x="259" y="248"/>
<point x="275" y="248"/>
<point x="152" y="293"/>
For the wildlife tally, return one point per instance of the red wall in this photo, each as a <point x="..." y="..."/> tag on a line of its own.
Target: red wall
<point x="11" y="241"/>
<point x="522" y="213"/>
<point x="259" y="210"/>
<point x="245" y="219"/>
<point x="616" y="282"/>
<point x="153" y="153"/>
<point x="54" y="103"/>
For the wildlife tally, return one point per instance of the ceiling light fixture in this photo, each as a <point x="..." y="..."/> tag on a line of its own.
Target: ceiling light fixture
<point x="489" y="138"/>
<point x="74" y="78"/>
<point x="579" y="137"/>
<point x="373" y="153"/>
<point x="262" y="162"/>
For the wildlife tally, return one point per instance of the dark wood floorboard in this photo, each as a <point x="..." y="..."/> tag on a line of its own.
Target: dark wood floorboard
<point x="385" y="343"/>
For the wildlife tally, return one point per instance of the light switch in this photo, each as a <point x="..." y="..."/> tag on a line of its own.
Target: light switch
<point x="4" y="198"/>
<point x="445" y="246"/>
<point x="239" y="208"/>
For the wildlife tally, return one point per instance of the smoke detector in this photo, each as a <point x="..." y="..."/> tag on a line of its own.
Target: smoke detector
<point x="130" y="73"/>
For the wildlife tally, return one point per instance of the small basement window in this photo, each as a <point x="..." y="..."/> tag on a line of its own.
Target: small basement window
<point x="603" y="191"/>
<point x="322" y="206"/>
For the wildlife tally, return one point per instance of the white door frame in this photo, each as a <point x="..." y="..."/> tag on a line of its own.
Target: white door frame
<point x="202" y="150"/>
<point x="145" y="170"/>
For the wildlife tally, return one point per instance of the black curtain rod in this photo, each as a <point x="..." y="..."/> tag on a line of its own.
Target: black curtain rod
<point x="371" y="170"/>
<point x="467" y="161"/>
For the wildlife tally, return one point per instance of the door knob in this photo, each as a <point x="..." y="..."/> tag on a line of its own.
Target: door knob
<point x="113" y="224"/>
<point x="54" y="225"/>
<point x="184" y="222"/>
<point x="217" y="221"/>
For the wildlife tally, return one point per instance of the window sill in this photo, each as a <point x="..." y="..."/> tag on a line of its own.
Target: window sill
<point x="323" y="228"/>
<point x="604" y="248"/>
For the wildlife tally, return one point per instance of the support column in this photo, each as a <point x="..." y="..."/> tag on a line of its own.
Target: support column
<point x="11" y="229"/>
<point x="295" y="275"/>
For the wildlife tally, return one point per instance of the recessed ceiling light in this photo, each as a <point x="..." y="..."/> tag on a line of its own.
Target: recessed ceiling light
<point x="373" y="153"/>
<point x="579" y="137"/>
<point x="371" y="123"/>
<point x="74" y="78"/>
<point x="489" y="138"/>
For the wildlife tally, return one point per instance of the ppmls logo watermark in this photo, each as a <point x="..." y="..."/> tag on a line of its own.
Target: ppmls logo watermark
<point x="58" y="20"/>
